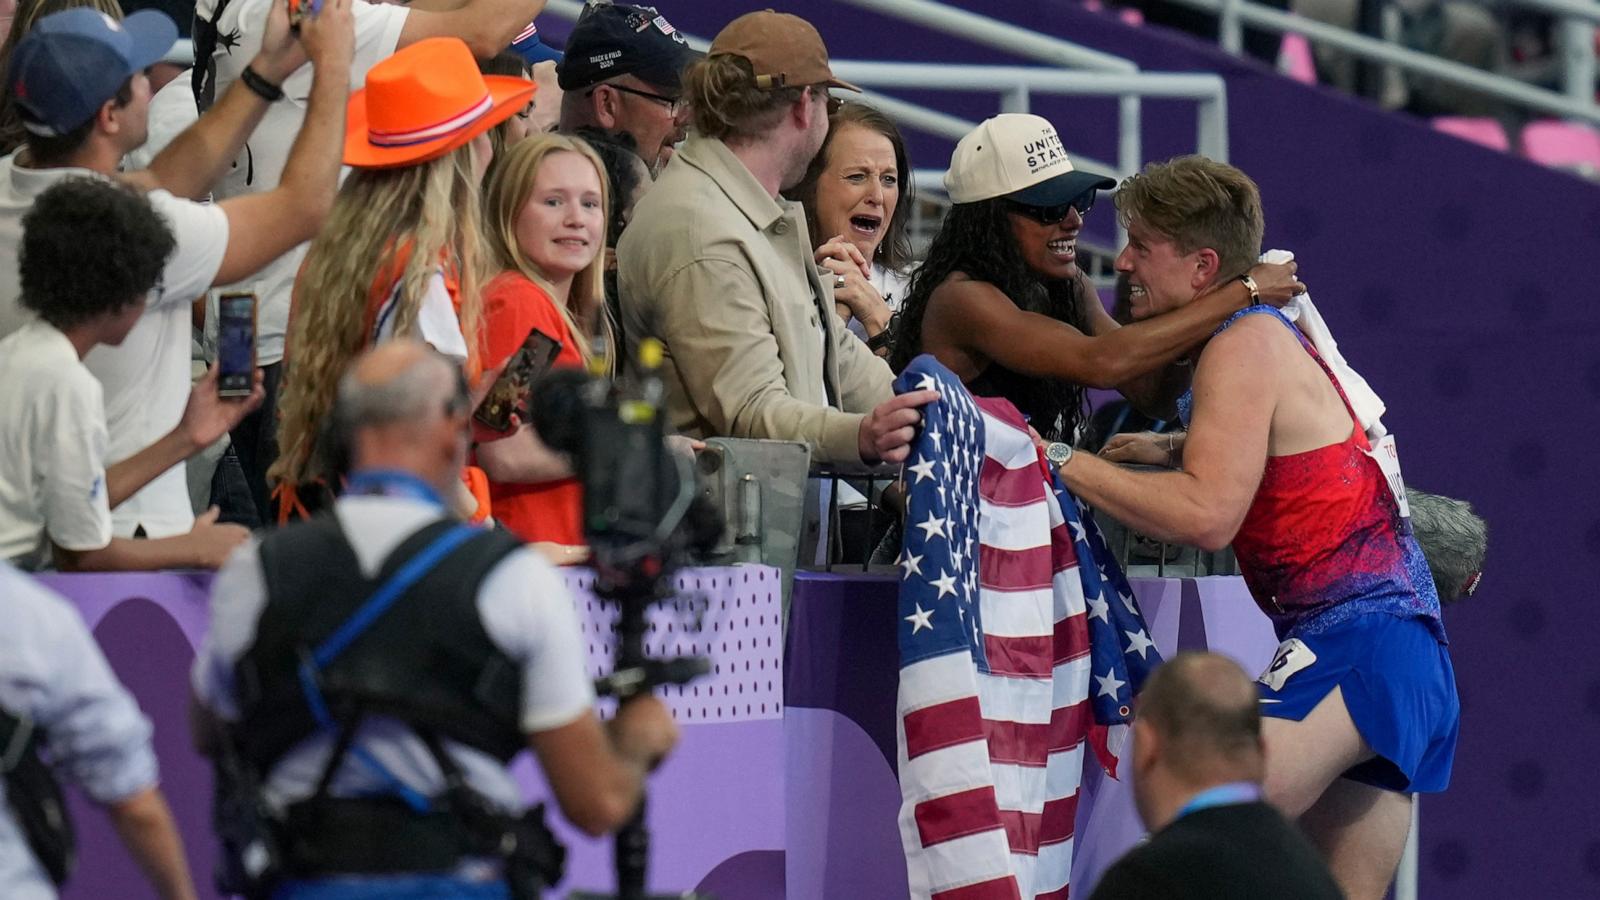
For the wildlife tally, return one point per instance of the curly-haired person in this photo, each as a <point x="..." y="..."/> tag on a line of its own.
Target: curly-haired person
<point x="91" y="252"/>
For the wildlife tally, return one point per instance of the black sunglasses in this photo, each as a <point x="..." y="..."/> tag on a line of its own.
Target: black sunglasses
<point x="1050" y="215"/>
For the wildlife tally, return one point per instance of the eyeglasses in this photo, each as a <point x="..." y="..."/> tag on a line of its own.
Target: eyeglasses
<point x="1050" y="215"/>
<point x="674" y="104"/>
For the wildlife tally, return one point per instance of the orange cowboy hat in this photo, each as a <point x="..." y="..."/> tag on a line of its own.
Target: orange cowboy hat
<point x="425" y="101"/>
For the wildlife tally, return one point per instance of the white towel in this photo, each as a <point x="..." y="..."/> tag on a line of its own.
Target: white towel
<point x="1364" y="400"/>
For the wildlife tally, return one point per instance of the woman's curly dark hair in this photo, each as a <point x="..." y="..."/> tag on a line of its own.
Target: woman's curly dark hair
<point x="975" y="238"/>
<point x="90" y="247"/>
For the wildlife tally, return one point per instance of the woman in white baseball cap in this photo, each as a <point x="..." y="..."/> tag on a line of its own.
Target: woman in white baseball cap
<point x="1001" y="301"/>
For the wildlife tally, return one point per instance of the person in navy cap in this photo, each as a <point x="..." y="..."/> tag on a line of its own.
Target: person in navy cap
<point x="622" y="73"/>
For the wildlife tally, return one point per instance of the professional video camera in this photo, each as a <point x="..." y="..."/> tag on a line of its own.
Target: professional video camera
<point x="643" y="517"/>
<point x="642" y="514"/>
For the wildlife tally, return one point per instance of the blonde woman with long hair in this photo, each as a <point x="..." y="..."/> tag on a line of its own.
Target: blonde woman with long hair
<point x="401" y="253"/>
<point x="546" y="221"/>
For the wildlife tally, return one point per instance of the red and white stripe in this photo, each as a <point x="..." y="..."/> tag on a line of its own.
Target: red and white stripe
<point x="990" y="764"/>
<point x="431" y="132"/>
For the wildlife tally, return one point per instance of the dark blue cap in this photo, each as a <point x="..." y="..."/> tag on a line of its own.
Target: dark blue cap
<point x="75" y="60"/>
<point x="532" y="48"/>
<point x="612" y="39"/>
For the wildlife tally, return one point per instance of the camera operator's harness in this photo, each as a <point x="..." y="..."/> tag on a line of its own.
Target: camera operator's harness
<point x="415" y="650"/>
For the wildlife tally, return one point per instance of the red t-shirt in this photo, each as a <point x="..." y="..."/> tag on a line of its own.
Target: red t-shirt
<point x="513" y="306"/>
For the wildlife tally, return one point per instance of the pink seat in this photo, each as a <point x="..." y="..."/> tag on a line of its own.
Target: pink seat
<point x="1477" y="129"/>
<point x="1294" y="59"/>
<point x="1562" y="145"/>
<point x="1127" y="14"/>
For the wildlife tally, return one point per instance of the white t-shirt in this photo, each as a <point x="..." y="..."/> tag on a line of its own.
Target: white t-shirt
<point x="437" y="323"/>
<point x="892" y="286"/>
<point x="146" y="377"/>
<point x="172" y="111"/>
<point x="260" y="164"/>
<point x="52" y="449"/>
<point x="524" y="607"/>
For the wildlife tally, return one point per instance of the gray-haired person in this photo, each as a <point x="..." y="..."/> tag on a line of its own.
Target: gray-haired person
<point x="429" y="744"/>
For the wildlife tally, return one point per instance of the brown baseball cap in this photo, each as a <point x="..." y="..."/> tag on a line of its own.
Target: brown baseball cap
<point x="783" y="49"/>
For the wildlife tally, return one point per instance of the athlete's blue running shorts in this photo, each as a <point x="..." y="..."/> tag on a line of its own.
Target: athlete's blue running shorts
<point x="1398" y="684"/>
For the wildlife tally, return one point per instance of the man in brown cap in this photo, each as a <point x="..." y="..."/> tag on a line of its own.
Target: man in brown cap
<point x="719" y="268"/>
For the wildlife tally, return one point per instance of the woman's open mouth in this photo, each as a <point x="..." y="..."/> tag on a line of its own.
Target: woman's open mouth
<point x="866" y="225"/>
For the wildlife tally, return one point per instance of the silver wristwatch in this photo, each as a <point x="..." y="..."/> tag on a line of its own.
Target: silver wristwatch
<point x="1058" y="453"/>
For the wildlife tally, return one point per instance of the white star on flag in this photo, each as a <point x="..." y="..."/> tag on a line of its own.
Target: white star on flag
<point x="1077" y="532"/>
<point x="920" y="619"/>
<point x="1139" y="642"/>
<point x="923" y="468"/>
<point x="1109" y="683"/>
<point x="946" y="585"/>
<point x="932" y="528"/>
<point x="1099" y="609"/>
<point x="913" y="564"/>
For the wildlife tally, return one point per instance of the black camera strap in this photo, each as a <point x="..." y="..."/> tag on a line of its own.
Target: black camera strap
<point x="35" y="796"/>
<point x="381" y="601"/>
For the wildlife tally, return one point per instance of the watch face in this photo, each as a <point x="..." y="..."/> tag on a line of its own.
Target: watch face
<point x="1057" y="452"/>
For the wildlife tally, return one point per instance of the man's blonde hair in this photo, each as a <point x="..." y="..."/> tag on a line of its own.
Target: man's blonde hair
<point x="1197" y="203"/>
<point x="727" y="104"/>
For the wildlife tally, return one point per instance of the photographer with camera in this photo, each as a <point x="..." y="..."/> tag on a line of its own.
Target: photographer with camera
<point x="377" y="667"/>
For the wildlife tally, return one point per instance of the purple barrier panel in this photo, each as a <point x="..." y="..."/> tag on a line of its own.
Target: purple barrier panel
<point x="841" y="671"/>
<point x="716" y="806"/>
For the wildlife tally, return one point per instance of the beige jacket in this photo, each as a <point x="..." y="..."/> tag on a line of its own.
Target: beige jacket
<point x="723" y="274"/>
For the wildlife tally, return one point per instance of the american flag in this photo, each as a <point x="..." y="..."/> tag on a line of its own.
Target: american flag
<point x="1004" y="665"/>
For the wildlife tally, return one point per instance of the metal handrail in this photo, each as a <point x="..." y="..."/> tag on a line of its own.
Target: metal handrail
<point x="1577" y="103"/>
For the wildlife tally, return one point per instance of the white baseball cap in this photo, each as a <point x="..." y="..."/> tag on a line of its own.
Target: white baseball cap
<point x="1019" y="156"/>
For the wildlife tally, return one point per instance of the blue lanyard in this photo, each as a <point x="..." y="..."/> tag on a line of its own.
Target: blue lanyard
<point x="391" y="483"/>
<point x="1222" y="795"/>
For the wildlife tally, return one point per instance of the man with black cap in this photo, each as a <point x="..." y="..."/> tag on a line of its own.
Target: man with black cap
<point x="720" y="268"/>
<point x="623" y="73"/>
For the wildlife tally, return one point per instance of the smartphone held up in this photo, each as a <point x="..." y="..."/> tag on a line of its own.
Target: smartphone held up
<point x="509" y="395"/>
<point x="236" y="344"/>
